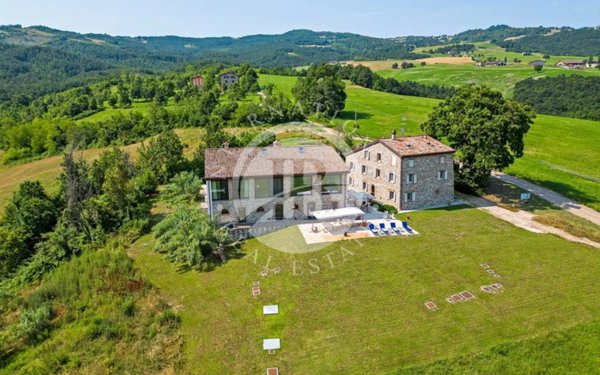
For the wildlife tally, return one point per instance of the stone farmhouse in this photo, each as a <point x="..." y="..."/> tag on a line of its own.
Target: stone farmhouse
<point x="408" y="173"/>
<point x="228" y="79"/>
<point x="247" y="185"/>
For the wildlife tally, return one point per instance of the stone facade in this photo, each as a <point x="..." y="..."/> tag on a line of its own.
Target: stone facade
<point x="407" y="182"/>
<point x="252" y="209"/>
<point x="228" y="79"/>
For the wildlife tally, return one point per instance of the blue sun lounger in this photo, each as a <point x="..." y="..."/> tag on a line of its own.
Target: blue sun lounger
<point x="383" y="228"/>
<point x="395" y="229"/>
<point x="406" y="227"/>
<point x="372" y="229"/>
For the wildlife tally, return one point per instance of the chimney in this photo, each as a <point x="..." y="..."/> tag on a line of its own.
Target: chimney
<point x="402" y="131"/>
<point x="276" y="144"/>
<point x="226" y="145"/>
<point x="394" y="134"/>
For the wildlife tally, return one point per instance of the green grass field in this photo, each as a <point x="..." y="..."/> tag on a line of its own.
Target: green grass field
<point x="561" y="153"/>
<point x="501" y="78"/>
<point x="141" y="107"/>
<point x="363" y="311"/>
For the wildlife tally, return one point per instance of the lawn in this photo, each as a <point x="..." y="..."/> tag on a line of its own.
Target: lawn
<point x="563" y="154"/>
<point x="357" y="308"/>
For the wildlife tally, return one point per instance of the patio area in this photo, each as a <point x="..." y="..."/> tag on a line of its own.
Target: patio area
<point x="351" y="230"/>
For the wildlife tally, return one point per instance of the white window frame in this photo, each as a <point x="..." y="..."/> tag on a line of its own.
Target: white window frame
<point x="367" y="155"/>
<point x="442" y="160"/>
<point x="350" y="181"/>
<point x="377" y="173"/>
<point x="392" y="195"/>
<point x="408" y="181"/>
<point x="364" y="169"/>
<point x="378" y="156"/>
<point x="352" y="166"/>
<point x="444" y="176"/>
<point x="391" y="177"/>
<point x="411" y="163"/>
<point x="394" y="161"/>
<point x="413" y="197"/>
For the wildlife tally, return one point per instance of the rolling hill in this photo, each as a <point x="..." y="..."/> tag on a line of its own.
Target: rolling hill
<point x="37" y="60"/>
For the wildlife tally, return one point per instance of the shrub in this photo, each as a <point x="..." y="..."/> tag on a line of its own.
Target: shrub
<point x="34" y="324"/>
<point x="169" y="319"/>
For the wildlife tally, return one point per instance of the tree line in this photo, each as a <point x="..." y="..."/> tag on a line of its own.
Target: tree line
<point x="363" y="76"/>
<point x="569" y="96"/>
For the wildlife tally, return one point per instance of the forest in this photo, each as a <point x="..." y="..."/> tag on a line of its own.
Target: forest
<point x="569" y="96"/>
<point x="39" y="60"/>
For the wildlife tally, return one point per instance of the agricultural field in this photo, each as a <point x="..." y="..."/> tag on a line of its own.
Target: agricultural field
<point x="501" y="78"/>
<point x="374" y="319"/>
<point x="458" y="71"/>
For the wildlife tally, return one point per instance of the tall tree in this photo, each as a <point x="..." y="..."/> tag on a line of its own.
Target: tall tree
<point x="321" y="91"/>
<point x="485" y="128"/>
<point x="163" y="156"/>
<point x="31" y="210"/>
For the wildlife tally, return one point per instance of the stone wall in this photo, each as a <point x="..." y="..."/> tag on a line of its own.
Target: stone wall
<point x="380" y="186"/>
<point x="429" y="190"/>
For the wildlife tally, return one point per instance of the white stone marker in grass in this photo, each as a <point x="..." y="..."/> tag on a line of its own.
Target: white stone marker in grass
<point x="270" y="309"/>
<point x="271" y="344"/>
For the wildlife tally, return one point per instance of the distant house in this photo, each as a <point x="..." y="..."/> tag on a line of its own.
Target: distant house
<point x="408" y="173"/>
<point x="592" y="64"/>
<point x="228" y="79"/>
<point x="254" y="184"/>
<point x="571" y="64"/>
<point x="537" y="63"/>
<point x="491" y="63"/>
<point x="526" y="53"/>
<point x="198" y="81"/>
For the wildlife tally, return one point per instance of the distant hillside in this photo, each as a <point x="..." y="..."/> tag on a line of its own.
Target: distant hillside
<point x="498" y="33"/>
<point x="564" y="41"/>
<point x="574" y="42"/>
<point x="37" y="60"/>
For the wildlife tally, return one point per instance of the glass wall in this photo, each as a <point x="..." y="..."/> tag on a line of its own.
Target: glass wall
<point x="302" y="185"/>
<point x="219" y="190"/>
<point x="332" y="184"/>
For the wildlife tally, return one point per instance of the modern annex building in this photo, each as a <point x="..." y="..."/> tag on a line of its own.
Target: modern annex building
<point x="263" y="183"/>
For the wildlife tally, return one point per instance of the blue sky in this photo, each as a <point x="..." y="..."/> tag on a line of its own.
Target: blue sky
<point x="383" y="18"/>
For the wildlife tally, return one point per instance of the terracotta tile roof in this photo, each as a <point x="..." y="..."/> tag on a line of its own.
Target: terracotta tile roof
<point x="413" y="146"/>
<point x="271" y="161"/>
<point x="571" y="62"/>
